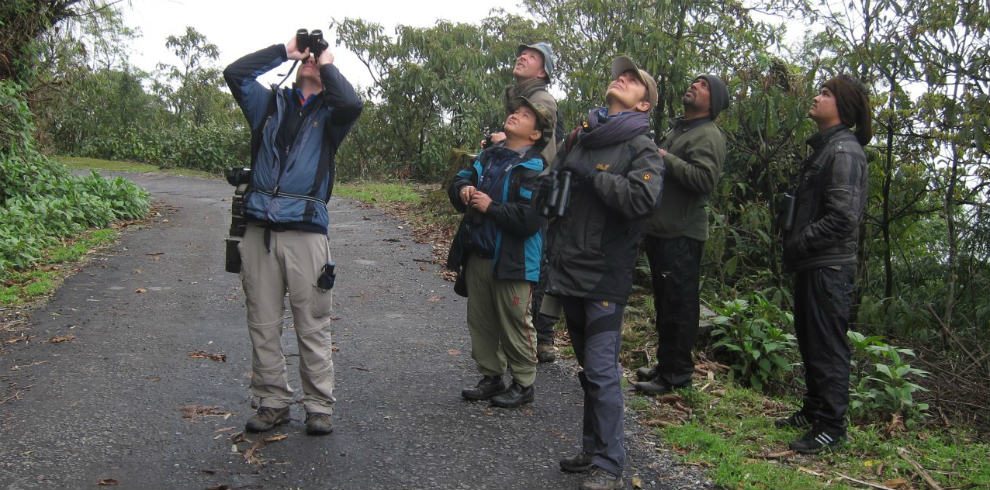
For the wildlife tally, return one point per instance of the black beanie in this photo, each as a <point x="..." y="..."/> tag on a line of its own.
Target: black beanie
<point x="719" y="93"/>
<point x="852" y="100"/>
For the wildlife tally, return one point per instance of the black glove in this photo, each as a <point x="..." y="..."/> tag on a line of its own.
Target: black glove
<point x="581" y="171"/>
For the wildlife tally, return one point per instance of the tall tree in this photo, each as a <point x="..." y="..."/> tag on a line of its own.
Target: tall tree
<point x="192" y="89"/>
<point x="436" y="88"/>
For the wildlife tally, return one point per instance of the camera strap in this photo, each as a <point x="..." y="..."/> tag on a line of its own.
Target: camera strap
<point x="294" y="63"/>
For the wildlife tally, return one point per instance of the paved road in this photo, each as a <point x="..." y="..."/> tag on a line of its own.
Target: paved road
<point x="108" y="404"/>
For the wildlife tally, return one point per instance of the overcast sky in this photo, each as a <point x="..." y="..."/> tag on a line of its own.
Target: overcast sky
<point x="239" y="27"/>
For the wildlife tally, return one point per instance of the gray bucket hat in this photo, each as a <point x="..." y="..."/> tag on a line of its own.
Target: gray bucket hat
<point x="546" y="50"/>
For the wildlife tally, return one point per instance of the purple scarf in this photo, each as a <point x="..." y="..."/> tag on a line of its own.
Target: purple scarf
<point x="603" y="130"/>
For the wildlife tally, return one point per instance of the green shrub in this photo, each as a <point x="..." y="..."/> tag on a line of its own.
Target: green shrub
<point x="40" y="200"/>
<point x="880" y="382"/>
<point x="750" y="335"/>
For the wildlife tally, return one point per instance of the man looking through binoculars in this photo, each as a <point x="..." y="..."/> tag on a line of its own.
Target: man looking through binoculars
<point x="295" y="133"/>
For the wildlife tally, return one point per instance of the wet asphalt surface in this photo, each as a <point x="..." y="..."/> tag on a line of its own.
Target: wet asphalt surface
<point x="107" y="405"/>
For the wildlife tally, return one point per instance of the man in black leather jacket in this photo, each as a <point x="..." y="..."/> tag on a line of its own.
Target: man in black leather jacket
<point x="821" y="248"/>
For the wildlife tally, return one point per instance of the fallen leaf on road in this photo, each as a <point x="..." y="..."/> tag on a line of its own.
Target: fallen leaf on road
<point x="58" y="339"/>
<point x="454" y="352"/>
<point x="106" y="482"/>
<point x="206" y="355"/>
<point x="252" y="456"/>
<point x="196" y="411"/>
<point x="276" y="438"/>
<point x="141" y="290"/>
<point x="23" y="337"/>
<point x="334" y="348"/>
<point x="225" y="429"/>
<point x="636" y="482"/>
<point x="434" y="299"/>
<point x="422" y="268"/>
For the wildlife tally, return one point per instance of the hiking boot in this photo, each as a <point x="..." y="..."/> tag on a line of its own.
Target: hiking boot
<point x="488" y="387"/>
<point x="797" y="420"/>
<point x="646" y="373"/>
<point x="515" y="396"/>
<point x="655" y="387"/>
<point x="266" y="418"/>
<point x="578" y="463"/>
<point x="546" y="353"/>
<point x="599" y="479"/>
<point x="318" y="424"/>
<point x="816" y="441"/>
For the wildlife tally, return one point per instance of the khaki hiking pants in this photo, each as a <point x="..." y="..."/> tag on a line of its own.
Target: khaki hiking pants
<point x="292" y="262"/>
<point x="500" y="322"/>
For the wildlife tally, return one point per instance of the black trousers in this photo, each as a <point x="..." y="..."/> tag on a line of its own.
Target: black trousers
<point x="822" y="299"/>
<point x="675" y="267"/>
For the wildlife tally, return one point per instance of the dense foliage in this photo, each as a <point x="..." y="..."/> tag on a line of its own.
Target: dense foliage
<point x="40" y="200"/>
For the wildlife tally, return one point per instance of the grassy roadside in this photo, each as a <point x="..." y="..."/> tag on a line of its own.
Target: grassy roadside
<point x="20" y="287"/>
<point x="23" y="288"/>
<point x="80" y="163"/>
<point x="728" y="429"/>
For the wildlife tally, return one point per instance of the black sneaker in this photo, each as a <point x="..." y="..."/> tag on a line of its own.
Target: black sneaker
<point x="646" y="373"/>
<point x="797" y="420"/>
<point x="266" y="419"/>
<point x="578" y="463"/>
<point x="318" y="424"/>
<point x="599" y="479"/>
<point x="816" y="441"/>
<point x="488" y="387"/>
<point x="516" y="396"/>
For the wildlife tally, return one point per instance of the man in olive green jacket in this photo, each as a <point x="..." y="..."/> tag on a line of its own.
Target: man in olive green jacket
<point x="693" y="152"/>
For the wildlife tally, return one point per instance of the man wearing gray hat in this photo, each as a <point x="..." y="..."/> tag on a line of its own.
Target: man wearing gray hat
<point x="693" y="152"/>
<point x="533" y="68"/>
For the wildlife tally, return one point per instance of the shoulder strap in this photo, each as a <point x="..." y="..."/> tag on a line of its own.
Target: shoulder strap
<point x="571" y="140"/>
<point x="256" y="135"/>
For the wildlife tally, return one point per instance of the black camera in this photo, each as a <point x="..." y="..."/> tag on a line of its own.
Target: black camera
<point x="241" y="178"/>
<point x="560" y="193"/>
<point x="312" y="40"/>
<point x="238" y="175"/>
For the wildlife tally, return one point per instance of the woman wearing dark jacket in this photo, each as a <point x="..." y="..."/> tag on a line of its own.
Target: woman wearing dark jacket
<point x="617" y="179"/>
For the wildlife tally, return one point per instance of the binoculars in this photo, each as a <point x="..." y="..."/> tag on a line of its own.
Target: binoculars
<point x="312" y="40"/>
<point x="560" y="193"/>
<point x="786" y="207"/>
